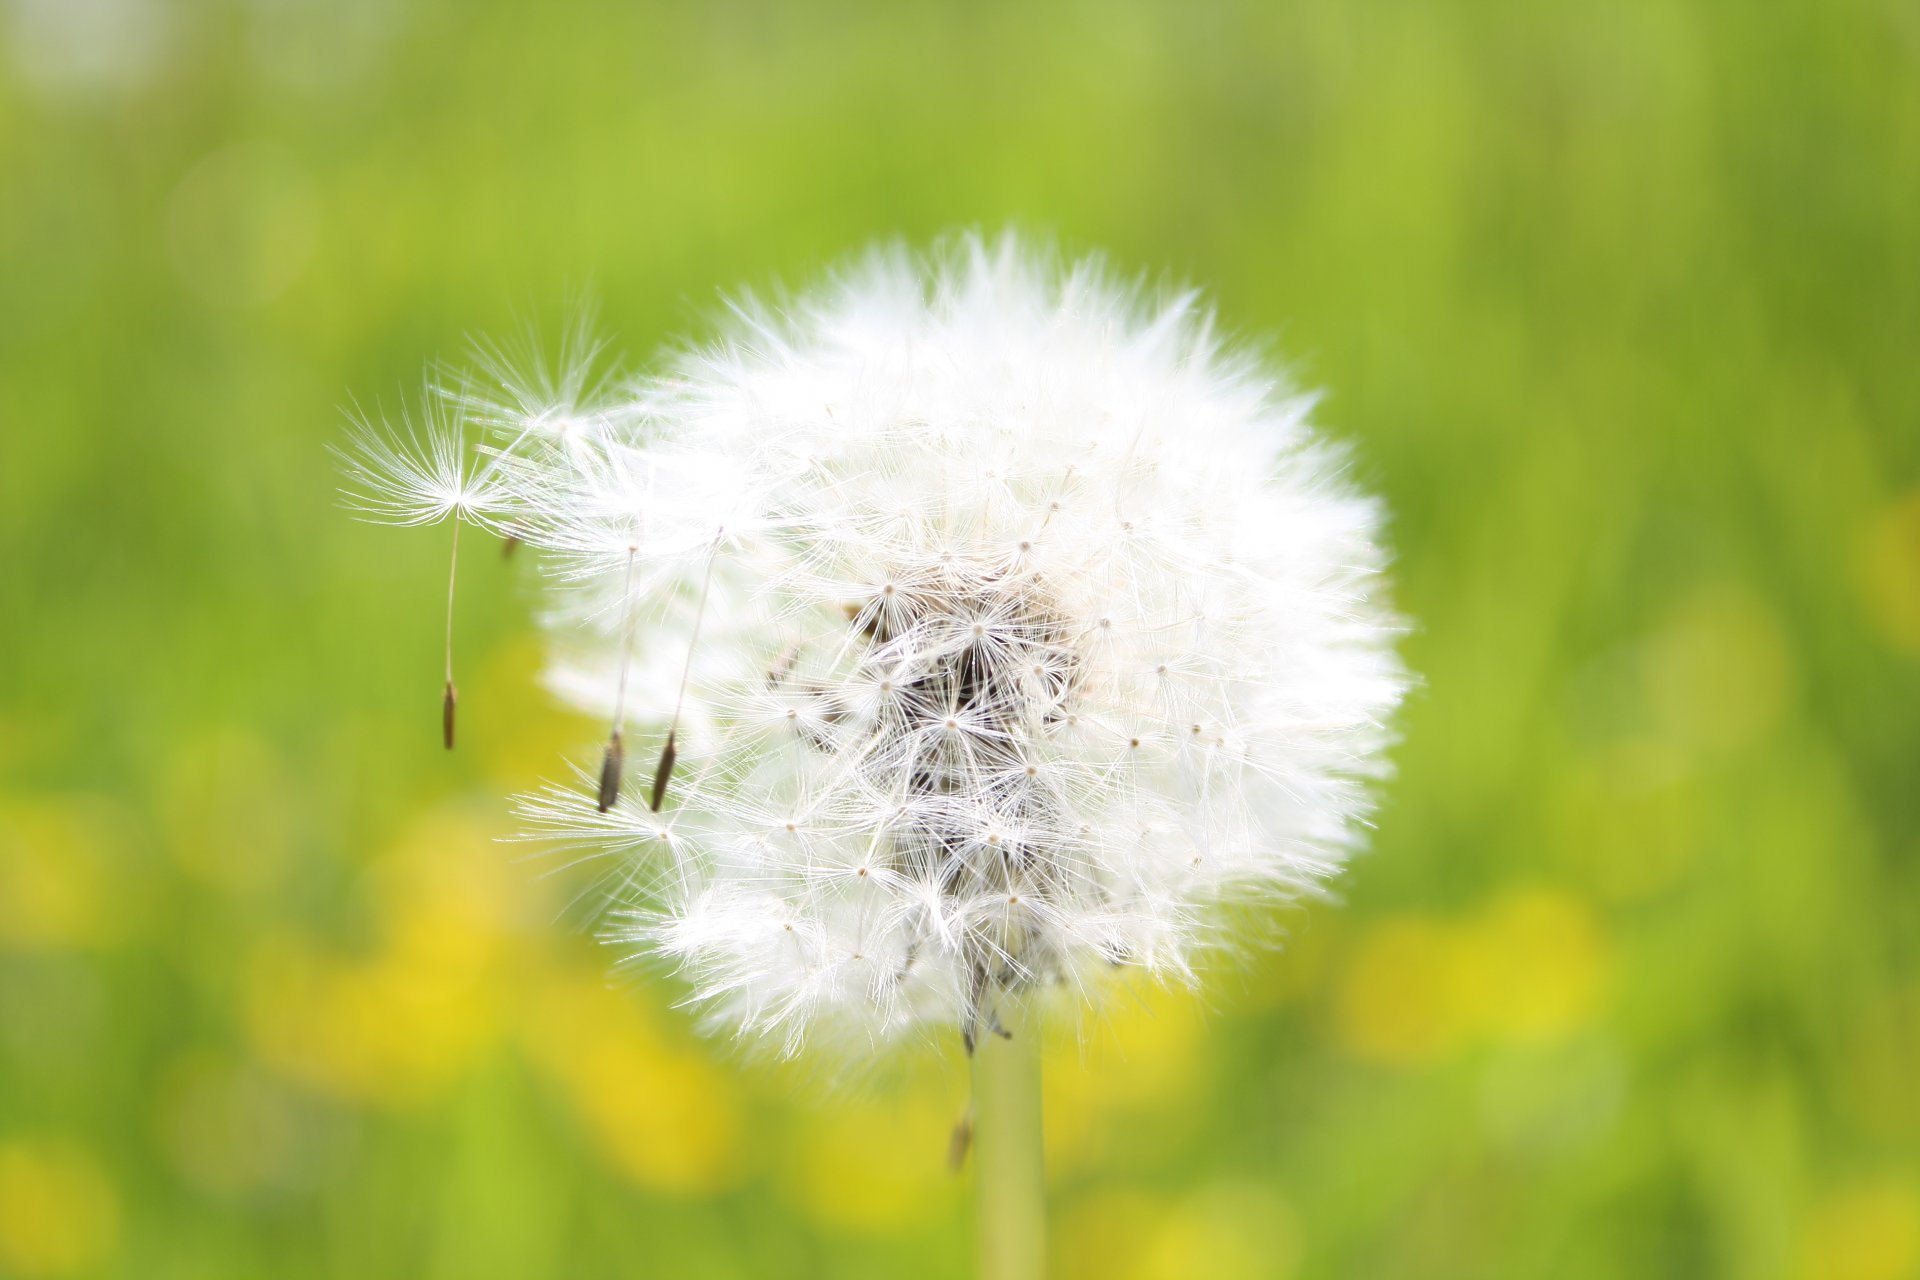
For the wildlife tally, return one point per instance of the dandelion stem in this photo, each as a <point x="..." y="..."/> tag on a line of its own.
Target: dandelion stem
<point x="1010" y="1204"/>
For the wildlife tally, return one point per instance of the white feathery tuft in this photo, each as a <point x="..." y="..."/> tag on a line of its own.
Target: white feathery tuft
<point x="421" y="470"/>
<point x="1008" y="627"/>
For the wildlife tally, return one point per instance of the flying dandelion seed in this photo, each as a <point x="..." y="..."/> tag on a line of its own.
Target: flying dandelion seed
<point x="422" y="472"/>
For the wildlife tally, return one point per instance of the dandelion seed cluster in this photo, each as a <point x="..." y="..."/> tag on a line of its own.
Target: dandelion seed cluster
<point x="1009" y="626"/>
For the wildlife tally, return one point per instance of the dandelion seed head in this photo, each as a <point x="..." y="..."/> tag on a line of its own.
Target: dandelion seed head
<point x="1010" y="625"/>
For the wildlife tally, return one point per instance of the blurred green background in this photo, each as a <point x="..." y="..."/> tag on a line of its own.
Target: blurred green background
<point x="1620" y="305"/>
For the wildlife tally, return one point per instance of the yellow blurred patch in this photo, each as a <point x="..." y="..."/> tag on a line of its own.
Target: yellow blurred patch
<point x="1887" y="573"/>
<point x="1403" y="998"/>
<point x="450" y="897"/>
<point x="1229" y="1231"/>
<point x="518" y="731"/>
<point x="396" y="1026"/>
<point x="875" y="1164"/>
<point x="1532" y="966"/>
<point x="1540" y="965"/>
<point x="1877" y="1061"/>
<point x="1100" y="1236"/>
<point x="387" y="1031"/>
<point x="59" y="1215"/>
<point x="1866" y="1232"/>
<point x="57" y="887"/>
<point x="1144" y="1042"/>
<point x="1144" y="1045"/>
<point x="657" y="1108"/>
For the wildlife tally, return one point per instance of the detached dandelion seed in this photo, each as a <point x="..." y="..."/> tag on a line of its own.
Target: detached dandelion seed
<point x="421" y="472"/>
<point x="1040" y="627"/>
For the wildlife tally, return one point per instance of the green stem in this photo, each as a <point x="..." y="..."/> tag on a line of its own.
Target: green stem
<point x="1011" y="1204"/>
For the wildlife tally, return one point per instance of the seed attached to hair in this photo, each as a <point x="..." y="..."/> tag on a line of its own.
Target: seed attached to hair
<point x="447" y="702"/>
<point x="613" y="767"/>
<point x="662" y="773"/>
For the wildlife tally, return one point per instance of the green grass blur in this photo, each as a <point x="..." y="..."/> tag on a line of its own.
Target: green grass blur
<point x="1620" y="306"/>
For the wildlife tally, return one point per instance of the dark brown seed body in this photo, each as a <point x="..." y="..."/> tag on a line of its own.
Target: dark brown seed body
<point x="662" y="773"/>
<point x="447" y="702"/>
<point x="613" y="767"/>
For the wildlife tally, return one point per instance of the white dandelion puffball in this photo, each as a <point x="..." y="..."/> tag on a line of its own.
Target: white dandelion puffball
<point x="1008" y="627"/>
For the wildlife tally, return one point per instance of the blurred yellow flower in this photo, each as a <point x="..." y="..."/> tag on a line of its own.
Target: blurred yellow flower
<point x="1540" y="965"/>
<point x="1877" y="1063"/>
<point x="1227" y="1231"/>
<point x="396" y="1026"/>
<point x="1887" y="572"/>
<point x="1143" y="1042"/>
<point x="877" y="1163"/>
<point x="57" y="889"/>
<point x="1144" y="1045"/>
<point x="1865" y="1232"/>
<point x="392" y="1030"/>
<point x="59" y="1215"/>
<point x="656" y="1107"/>
<point x="1101" y="1235"/>
<point x="451" y="900"/>
<point x="1530" y="966"/>
<point x="1402" y="996"/>
<point x="515" y="729"/>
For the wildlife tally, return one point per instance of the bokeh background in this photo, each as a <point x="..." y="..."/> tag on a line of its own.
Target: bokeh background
<point x="1618" y="303"/>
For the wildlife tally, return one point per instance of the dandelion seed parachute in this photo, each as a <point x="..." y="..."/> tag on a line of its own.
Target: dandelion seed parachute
<point x="1034" y="625"/>
<point x="423" y="472"/>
